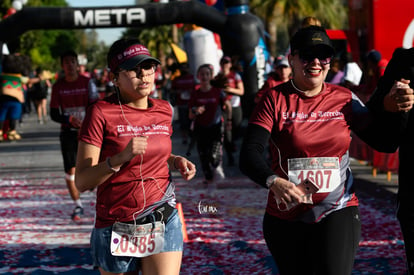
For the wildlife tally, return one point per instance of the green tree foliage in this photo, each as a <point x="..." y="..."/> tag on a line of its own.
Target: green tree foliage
<point x="4" y="6"/>
<point x="95" y="51"/>
<point x="45" y="46"/>
<point x="157" y="39"/>
<point x="283" y="17"/>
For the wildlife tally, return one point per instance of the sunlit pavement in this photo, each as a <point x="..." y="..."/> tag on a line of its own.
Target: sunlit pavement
<point x="223" y="220"/>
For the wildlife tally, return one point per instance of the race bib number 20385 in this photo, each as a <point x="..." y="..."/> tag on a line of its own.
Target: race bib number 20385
<point x="137" y="240"/>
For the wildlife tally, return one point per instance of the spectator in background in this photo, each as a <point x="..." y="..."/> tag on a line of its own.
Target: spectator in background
<point x="280" y="74"/>
<point x="335" y="74"/>
<point x="234" y="88"/>
<point x="39" y="85"/>
<point x="71" y="95"/>
<point x="170" y="70"/>
<point x="374" y="69"/>
<point x="15" y="71"/>
<point x="182" y="87"/>
<point x="352" y="80"/>
<point x="310" y="21"/>
<point x="104" y="84"/>
<point x="352" y="72"/>
<point x="157" y="90"/>
<point x="84" y="71"/>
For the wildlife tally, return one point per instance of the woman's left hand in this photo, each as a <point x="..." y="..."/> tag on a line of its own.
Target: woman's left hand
<point x="186" y="167"/>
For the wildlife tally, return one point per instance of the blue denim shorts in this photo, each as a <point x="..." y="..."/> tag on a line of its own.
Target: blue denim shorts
<point x="101" y="246"/>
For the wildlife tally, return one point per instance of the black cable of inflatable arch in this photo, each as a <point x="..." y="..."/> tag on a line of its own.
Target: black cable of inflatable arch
<point x="241" y="33"/>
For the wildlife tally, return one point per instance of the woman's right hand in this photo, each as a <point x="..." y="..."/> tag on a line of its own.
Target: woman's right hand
<point x="136" y="146"/>
<point x="200" y="109"/>
<point x="287" y="191"/>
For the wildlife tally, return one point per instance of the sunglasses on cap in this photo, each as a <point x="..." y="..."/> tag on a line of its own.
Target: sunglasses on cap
<point x="309" y="57"/>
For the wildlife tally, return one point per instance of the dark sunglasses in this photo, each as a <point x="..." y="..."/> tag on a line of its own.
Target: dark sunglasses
<point x="144" y="66"/>
<point x="308" y="57"/>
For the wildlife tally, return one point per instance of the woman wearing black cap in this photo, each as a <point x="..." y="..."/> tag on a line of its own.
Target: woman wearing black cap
<point x="312" y="223"/>
<point x="125" y="151"/>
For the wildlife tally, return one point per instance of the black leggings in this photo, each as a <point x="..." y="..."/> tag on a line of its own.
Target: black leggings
<point x="405" y="215"/>
<point x="209" y="147"/>
<point x="231" y="136"/>
<point x="326" y="247"/>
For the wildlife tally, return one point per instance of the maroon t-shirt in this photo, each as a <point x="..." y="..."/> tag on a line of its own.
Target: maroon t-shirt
<point x="308" y="127"/>
<point x="141" y="182"/>
<point x="271" y="81"/>
<point x="72" y="97"/>
<point x="183" y="87"/>
<point x="212" y="100"/>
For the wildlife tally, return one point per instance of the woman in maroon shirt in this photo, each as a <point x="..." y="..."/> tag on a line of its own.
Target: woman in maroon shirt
<point x="125" y="152"/>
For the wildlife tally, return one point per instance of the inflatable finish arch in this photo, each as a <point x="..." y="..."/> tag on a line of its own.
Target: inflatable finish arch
<point x="241" y="32"/>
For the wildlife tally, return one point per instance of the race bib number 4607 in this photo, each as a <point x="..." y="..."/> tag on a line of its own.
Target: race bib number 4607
<point x="323" y="171"/>
<point x="139" y="240"/>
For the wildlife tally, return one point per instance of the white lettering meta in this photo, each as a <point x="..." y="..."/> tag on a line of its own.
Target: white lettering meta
<point x="103" y="17"/>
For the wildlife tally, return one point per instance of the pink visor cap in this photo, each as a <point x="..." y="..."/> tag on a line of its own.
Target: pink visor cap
<point x="131" y="57"/>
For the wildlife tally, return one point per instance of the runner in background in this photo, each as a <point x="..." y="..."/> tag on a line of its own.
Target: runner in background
<point x="71" y="95"/>
<point x="234" y="89"/>
<point x="280" y="74"/>
<point x="206" y="107"/>
<point x="39" y="87"/>
<point x="182" y="87"/>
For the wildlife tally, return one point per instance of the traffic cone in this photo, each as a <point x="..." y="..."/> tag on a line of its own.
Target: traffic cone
<point x="184" y="227"/>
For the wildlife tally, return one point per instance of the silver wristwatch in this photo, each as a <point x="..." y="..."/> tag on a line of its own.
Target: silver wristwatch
<point x="270" y="180"/>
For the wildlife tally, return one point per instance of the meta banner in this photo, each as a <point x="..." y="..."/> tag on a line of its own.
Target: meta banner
<point x="241" y="32"/>
<point x="109" y="17"/>
<point x="143" y="16"/>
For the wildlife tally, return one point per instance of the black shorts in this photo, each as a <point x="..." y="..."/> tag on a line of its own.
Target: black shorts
<point x="69" y="148"/>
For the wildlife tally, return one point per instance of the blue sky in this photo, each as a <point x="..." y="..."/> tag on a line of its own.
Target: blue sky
<point x="106" y="35"/>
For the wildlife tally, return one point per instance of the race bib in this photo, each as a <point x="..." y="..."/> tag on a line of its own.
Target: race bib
<point x="78" y="112"/>
<point x="139" y="240"/>
<point x="323" y="171"/>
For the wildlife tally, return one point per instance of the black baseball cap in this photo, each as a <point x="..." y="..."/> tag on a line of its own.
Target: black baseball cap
<point x="309" y="37"/>
<point x="127" y="54"/>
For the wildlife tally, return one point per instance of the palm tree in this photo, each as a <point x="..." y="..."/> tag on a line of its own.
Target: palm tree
<point x="157" y="39"/>
<point x="283" y="17"/>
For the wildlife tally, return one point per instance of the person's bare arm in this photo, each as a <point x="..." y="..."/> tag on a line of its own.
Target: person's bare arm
<point x="90" y="172"/>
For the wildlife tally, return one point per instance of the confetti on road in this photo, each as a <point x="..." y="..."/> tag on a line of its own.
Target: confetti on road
<point x="224" y="226"/>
